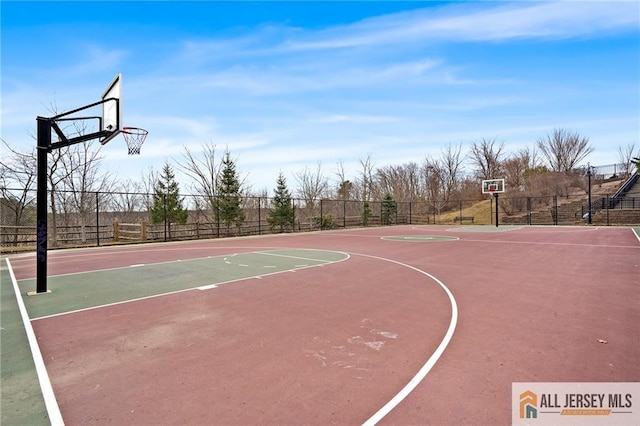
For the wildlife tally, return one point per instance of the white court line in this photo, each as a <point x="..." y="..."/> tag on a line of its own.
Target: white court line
<point x="635" y="233"/>
<point x="106" y="305"/>
<point x="208" y="287"/>
<point x="137" y="265"/>
<point x="298" y="257"/>
<point x="422" y="373"/>
<point x="50" y="401"/>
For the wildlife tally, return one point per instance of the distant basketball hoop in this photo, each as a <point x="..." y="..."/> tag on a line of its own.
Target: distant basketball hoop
<point x="134" y="137"/>
<point x="493" y="187"/>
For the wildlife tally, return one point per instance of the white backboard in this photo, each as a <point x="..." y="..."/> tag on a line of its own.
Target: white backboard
<point x="493" y="186"/>
<point x="112" y="109"/>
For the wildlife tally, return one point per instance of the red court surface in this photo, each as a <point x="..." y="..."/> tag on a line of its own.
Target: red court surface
<point x="334" y="344"/>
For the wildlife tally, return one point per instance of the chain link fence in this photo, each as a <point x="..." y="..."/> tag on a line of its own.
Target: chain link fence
<point x="115" y="218"/>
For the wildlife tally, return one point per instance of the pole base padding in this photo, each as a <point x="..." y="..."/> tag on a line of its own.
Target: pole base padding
<point x="35" y="293"/>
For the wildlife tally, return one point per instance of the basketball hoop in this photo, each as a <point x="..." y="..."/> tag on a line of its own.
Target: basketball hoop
<point x="134" y="137"/>
<point x="493" y="186"/>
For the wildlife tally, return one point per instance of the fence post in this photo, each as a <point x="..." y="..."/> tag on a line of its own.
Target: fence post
<point x="396" y="206"/>
<point x="321" y="216"/>
<point x="344" y="213"/>
<point x="116" y="231"/>
<point x="293" y="218"/>
<point x="143" y="231"/>
<point x="528" y="210"/>
<point x="217" y="216"/>
<point x="97" y="219"/>
<point x="490" y="211"/>
<point x="555" y="210"/>
<point x="608" y="206"/>
<point x="164" y="213"/>
<point x="259" y="217"/>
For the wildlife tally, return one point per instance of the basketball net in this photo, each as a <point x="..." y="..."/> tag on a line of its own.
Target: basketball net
<point x="134" y="137"/>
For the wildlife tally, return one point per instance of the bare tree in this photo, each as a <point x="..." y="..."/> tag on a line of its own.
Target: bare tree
<point x="128" y="199"/>
<point x="83" y="178"/>
<point x="452" y="160"/>
<point x="435" y="176"/>
<point x="517" y="167"/>
<point x="486" y="156"/>
<point x="58" y="171"/>
<point x="626" y="156"/>
<point x="17" y="181"/>
<point x="530" y="157"/>
<point x="365" y="181"/>
<point x="514" y="169"/>
<point x="149" y="180"/>
<point x="345" y="187"/>
<point x="56" y="175"/>
<point x="403" y="181"/>
<point x="312" y="185"/>
<point x="205" y="171"/>
<point x="564" y="149"/>
<point x="443" y="175"/>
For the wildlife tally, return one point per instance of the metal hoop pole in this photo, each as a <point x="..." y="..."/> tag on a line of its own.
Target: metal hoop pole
<point x="43" y="146"/>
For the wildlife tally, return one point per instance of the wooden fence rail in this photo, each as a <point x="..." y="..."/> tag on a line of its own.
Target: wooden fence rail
<point x="129" y="231"/>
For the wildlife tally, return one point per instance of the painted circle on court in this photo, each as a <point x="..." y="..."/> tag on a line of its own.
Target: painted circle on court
<point x="419" y="238"/>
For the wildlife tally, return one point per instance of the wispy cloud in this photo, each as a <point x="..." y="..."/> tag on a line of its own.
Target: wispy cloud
<point x="477" y="22"/>
<point x="358" y="118"/>
<point x="97" y="58"/>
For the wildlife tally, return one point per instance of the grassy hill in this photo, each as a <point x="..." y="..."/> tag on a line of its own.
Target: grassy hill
<point x="482" y="212"/>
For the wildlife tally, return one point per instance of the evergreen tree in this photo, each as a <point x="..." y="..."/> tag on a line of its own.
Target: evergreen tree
<point x="229" y="201"/>
<point x="388" y="209"/>
<point x="366" y="213"/>
<point x="344" y="190"/>
<point x="281" y="213"/>
<point x="167" y="204"/>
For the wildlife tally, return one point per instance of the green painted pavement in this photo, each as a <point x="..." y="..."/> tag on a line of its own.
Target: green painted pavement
<point x="418" y="238"/>
<point x="21" y="400"/>
<point x="486" y="228"/>
<point x="98" y="288"/>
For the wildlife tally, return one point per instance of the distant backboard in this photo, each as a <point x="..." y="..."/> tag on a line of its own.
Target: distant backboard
<point x="493" y="186"/>
<point x="111" y="109"/>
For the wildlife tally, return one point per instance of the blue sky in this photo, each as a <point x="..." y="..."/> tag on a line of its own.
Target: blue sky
<point x="285" y="85"/>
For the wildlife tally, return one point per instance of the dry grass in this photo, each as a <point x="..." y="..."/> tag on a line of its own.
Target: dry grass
<point x="481" y="212"/>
